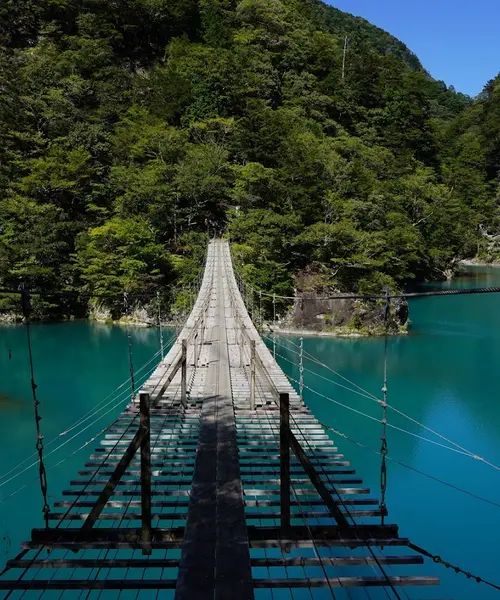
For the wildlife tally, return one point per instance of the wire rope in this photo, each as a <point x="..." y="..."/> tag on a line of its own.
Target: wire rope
<point x="67" y="441"/>
<point x="369" y="396"/>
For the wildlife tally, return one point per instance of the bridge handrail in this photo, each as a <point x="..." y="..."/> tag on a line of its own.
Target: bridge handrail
<point x="155" y="387"/>
<point x="251" y="334"/>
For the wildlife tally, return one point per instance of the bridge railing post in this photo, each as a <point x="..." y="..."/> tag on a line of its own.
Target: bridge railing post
<point x="252" y="375"/>
<point x="285" y="462"/>
<point x="145" y="472"/>
<point x="184" y="374"/>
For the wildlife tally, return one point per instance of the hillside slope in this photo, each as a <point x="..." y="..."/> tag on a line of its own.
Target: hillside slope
<point x="131" y="129"/>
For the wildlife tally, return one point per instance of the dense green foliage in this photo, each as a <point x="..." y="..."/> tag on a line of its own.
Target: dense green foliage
<point x="129" y="129"/>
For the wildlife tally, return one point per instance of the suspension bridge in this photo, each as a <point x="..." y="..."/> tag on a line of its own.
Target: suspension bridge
<point x="217" y="481"/>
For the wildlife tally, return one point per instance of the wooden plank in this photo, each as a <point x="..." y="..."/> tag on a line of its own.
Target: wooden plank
<point x="120" y="516"/>
<point x="325" y="532"/>
<point x="343" y="561"/>
<point x="102" y="534"/>
<point x="246" y="472"/>
<point x="342" y="582"/>
<point x="285" y="543"/>
<point x="99" y="563"/>
<point x="127" y="493"/>
<point x="198" y="550"/>
<point x="157" y="482"/>
<point x="306" y="492"/>
<point x="161" y="545"/>
<point x="100" y="545"/>
<point x="182" y="502"/>
<point x="179" y="516"/>
<point x="263" y="481"/>
<point x="313" y="514"/>
<point x="169" y="584"/>
<point x="89" y="584"/>
<point x="188" y="462"/>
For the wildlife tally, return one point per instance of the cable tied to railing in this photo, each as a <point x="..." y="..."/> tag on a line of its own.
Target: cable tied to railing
<point x="26" y="308"/>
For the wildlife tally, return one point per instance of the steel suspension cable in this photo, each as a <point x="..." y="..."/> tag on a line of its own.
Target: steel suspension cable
<point x="42" y="473"/>
<point x="383" y="449"/>
<point x="273" y="428"/>
<point x="371" y="418"/>
<point x="160" y="323"/>
<point x="62" y="520"/>
<point x="129" y="340"/>
<point x="348" y="512"/>
<point x="418" y="549"/>
<point x="303" y="436"/>
<point x="369" y="396"/>
<point x="90" y="414"/>
<point x="409" y="467"/>
<point x="438" y="560"/>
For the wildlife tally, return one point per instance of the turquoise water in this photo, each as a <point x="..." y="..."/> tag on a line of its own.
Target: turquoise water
<point x="444" y="374"/>
<point x="77" y="365"/>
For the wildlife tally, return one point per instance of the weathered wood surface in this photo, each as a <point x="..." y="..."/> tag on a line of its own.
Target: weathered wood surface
<point x="214" y="476"/>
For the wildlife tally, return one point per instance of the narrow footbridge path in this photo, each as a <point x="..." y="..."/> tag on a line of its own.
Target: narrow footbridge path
<point x="217" y="482"/>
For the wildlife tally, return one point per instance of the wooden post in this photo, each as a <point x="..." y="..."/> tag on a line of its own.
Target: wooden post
<point x="202" y="341"/>
<point x="285" y="462"/>
<point x="184" y="373"/>
<point x="195" y="349"/>
<point x="145" y="473"/>
<point x="240" y="343"/>
<point x="252" y="375"/>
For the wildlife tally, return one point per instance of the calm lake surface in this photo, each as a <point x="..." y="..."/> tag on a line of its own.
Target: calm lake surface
<point x="444" y="375"/>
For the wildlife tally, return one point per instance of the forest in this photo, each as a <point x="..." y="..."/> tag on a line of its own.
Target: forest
<point x="131" y="130"/>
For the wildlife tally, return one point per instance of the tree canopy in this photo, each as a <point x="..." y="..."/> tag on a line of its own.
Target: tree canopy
<point x="131" y="129"/>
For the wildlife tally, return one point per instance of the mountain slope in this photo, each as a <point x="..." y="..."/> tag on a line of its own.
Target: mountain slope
<point x="360" y="30"/>
<point x="131" y="129"/>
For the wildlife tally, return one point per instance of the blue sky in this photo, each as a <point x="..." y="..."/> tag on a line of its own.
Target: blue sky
<point x="457" y="41"/>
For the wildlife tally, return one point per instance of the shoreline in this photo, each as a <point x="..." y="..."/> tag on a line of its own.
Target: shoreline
<point x="474" y="262"/>
<point x="332" y="334"/>
<point x="278" y="331"/>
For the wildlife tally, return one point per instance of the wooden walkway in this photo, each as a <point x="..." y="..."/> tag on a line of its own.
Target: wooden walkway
<point x="246" y="493"/>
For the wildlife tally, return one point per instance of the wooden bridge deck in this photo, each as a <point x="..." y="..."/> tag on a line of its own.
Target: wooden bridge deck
<point x="216" y="495"/>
